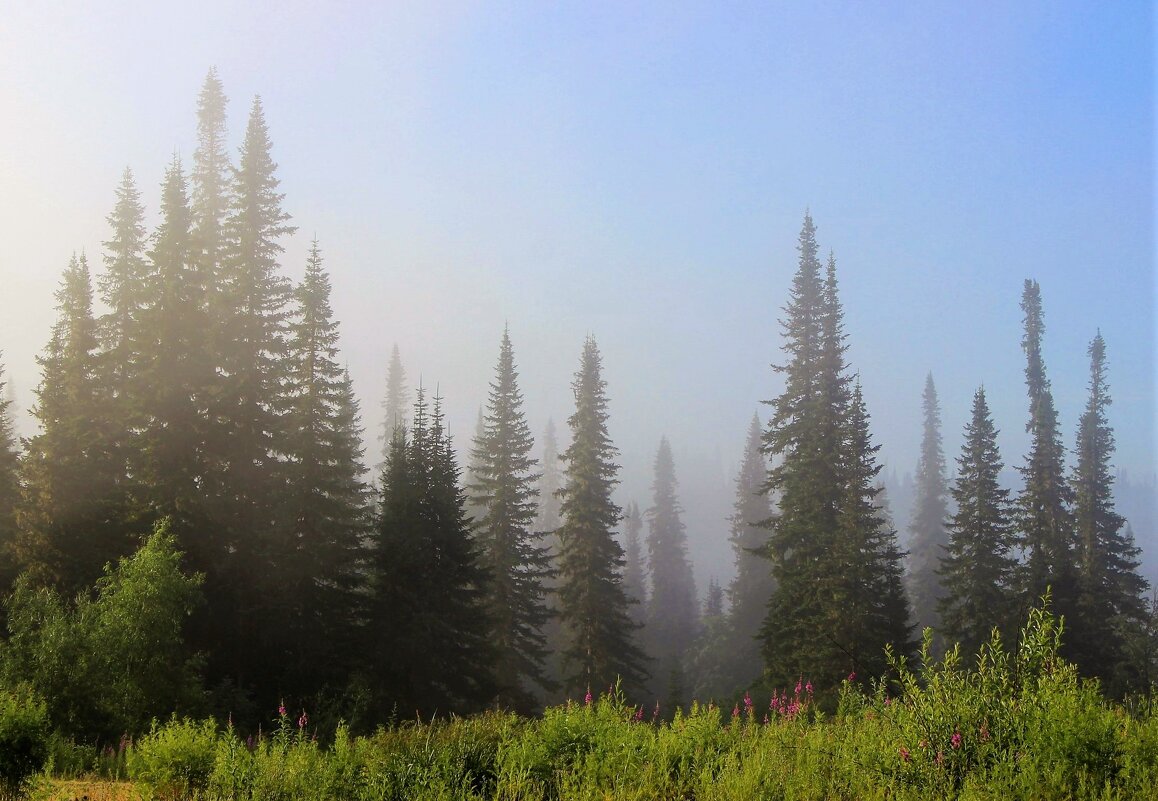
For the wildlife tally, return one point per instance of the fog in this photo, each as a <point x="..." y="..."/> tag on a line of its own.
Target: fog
<point x="639" y="175"/>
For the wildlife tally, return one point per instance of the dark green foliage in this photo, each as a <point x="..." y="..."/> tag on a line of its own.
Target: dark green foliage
<point x="1111" y="594"/>
<point x="24" y="739"/>
<point x="503" y="490"/>
<point x="672" y="608"/>
<point x="9" y="488"/>
<point x="108" y="663"/>
<point x="634" y="584"/>
<point x="318" y="554"/>
<point x="70" y="518"/>
<point x="927" y="529"/>
<point x="1044" y="517"/>
<point x="428" y="630"/>
<point x="838" y="599"/>
<point x="977" y="570"/>
<point x="593" y="606"/>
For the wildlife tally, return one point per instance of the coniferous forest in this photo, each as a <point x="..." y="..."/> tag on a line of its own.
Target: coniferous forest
<point x="199" y="527"/>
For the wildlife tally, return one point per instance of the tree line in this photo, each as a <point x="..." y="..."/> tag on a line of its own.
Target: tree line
<point x="200" y="452"/>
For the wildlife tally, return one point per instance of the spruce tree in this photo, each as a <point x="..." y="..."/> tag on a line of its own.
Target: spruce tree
<point x="978" y="570"/>
<point x="634" y="582"/>
<point x="928" y="536"/>
<point x="70" y="516"/>
<point x="753" y="585"/>
<point x="1111" y="595"/>
<point x="592" y="603"/>
<point x="319" y="560"/>
<point x="672" y="608"/>
<point x="1043" y="508"/>
<point x="503" y="491"/>
<point x="9" y="489"/>
<point x="428" y="627"/>
<point x="210" y="179"/>
<point x="394" y="403"/>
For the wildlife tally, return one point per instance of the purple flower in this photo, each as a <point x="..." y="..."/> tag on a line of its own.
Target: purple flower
<point x="955" y="740"/>
<point x="852" y="676"/>
<point x="736" y="711"/>
<point x="281" y="710"/>
<point x="587" y="698"/>
<point x="303" y="720"/>
<point x="905" y="754"/>
<point x="808" y="688"/>
<point x="639" y="714"/>
<point x="747" y="702"/>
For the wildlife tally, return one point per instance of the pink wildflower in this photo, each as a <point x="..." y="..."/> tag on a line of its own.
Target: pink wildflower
<point x="747" y="702"/>
<point x="303" y="720"/>
<point x="281" y="710"/>
<point x="905" y="756"/>
<point x="852" y="676"/>
<point x="587" y="698"/>
<point x="808" y="688"/>
<point x="639" y="714"/>
<point x="955" y="740"/>
<point x="736" y="711"/>
<point x="798" y="686"/>
<point x="765" y="718"/>
<point x="655" y="712"/>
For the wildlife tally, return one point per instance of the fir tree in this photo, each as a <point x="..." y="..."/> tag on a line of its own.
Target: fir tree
<point x="394" y="403"/>
<point x="70" y="517"/>
<point x="977" y="571"/>
<point x="753" y="585"/>
<point x="320" y="561"/>
<point x="1111" y="597"/>
<point x="634" y="582"/>
<point x="210" y="179"/>
<point x="1044" y="517"/>
<point x="503" y="491"/>
<point x="592" y="603"/>
<point x="9" y="489"/>
<point x="428" y="628"/>
<point x="672" y="608"/>
<point x="927" y="530"/>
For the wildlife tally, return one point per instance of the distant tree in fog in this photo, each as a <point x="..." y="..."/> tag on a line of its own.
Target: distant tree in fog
<point x="928" y="536"/>
<point x="394" y="402"/>
<point x="9" y="488"/>
<point x="634" y="574"/>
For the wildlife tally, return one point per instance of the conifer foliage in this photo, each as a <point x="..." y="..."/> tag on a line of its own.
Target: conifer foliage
<point x="672" y="606"/>
<point x="930" y="510"/>
<point x="634" y="583"/>
<point x="9" y="488"/>
<point x="503" y="490"/>
<point x="593" y="606"/>
<point x="978" y="570"/>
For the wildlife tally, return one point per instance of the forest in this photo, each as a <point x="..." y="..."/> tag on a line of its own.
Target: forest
<point x="196" y="532"/>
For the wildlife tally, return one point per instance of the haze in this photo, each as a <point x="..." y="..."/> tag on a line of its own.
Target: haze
<point x="640" y="174"/>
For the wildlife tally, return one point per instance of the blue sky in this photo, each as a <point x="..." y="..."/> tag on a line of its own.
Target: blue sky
<point x="639" y="171"/>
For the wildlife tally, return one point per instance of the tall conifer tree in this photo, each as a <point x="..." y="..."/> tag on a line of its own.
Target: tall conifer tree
<point x="9" y="488"/>
<point x="592" y="603"/>
<point x="428" y="626"/>
<point x="672" y="608"/>
<point x="927" y="529"/>
<point x="1044" y="516"/>
<point x="1111" y="594"/>
<point x="503" y="492"/>
<point x="978" y="570"/>
<point x="394" y="403"/>
<point x="319" y="561"/>
<point x="70" y="518"/>
<point x="634" y="583"/>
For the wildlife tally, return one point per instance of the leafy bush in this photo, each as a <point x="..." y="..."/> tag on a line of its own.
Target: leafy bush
<point x="175" y="759"/>
<point x="24" y="737"/>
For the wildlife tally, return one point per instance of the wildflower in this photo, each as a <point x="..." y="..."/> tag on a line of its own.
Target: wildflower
<point x="905" y="756"/>
<point x="587" y="698"/>
<point x="303" y="720"/>
<point x="852" y="676"/>
<point x="639" y="714"/>
<point x="281" y="710"/>
<point x="808" y="688"/>
<point x="736" y="711"/>
<point x="888" y="700"/>
<point x="655" y="713"/>
<point x="747" y="702"/>
<point x="765" y="718"/>
<point x="955" y="740"/>
<point x="798" y="686"/>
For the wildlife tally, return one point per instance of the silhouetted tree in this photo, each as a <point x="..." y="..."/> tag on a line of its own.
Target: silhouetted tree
<point x="394" y="402"/>
<point x="634" y="575"/>
<point x="9" y="490"/>
<point x="930" y="509"/>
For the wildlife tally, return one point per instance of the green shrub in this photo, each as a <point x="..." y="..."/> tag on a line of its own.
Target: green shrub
<point x="175" y="759"/>
<point x="24" y="737"/>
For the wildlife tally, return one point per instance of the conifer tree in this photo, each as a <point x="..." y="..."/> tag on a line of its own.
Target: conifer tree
<point x="394" y="403"/>
<point x="210" y="179"/>
<point x="838" y="599"/>
<point x="503" y="491"/>
<point x="320" y="560"/>
<point x="634" y="584"/>
<point x="978" y="570"/>
<point x="927" y="530"/>
<point x="672" y="608"/>
<point x="1043" y="507"/>
<point x="1111" y="596"/>
<point x="428" y="627"/>
<point x="548" y="516"/>
<point x="592" y="603"/>
<point x="70" y="517"/>
<point x="9" y="489"/>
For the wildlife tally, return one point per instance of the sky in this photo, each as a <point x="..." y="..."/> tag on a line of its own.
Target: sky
<point x="639" y="172"/>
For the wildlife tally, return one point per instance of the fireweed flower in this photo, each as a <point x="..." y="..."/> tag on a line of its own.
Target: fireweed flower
<point x="736" y="711"/>
<point x="852" y="676"/>
<point x="639" y="714"/>
<point x="303" y="720"/>
<point x="587" y="698"/>
<point x="281" y="710"/>
<point x="808" y="688"/>
<point x="955" y="740"/>
<point x="798" y="686"/>
<point x="905" y="754"/>
<point x="747" y="702"/>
